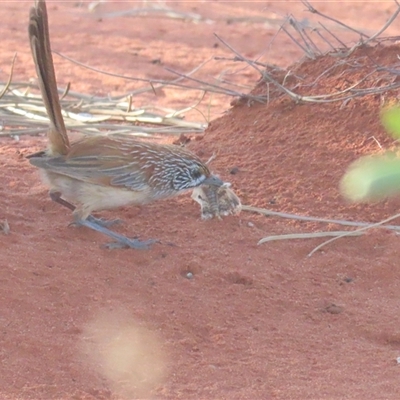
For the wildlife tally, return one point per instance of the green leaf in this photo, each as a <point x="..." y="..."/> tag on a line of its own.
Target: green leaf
<point x="372" y="178"/>
<point x="390" y="118"/>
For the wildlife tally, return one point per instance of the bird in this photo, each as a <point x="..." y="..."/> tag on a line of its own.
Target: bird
<point x="105" y="171"/>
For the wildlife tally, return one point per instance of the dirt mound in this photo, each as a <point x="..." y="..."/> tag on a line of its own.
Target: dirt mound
<point x="289" y="156"/>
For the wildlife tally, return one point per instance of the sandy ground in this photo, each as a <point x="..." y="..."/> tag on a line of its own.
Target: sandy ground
<point x="206" y="314"/>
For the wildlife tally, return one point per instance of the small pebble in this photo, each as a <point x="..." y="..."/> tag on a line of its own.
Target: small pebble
<point x="334" y="309"/>
<point x="189" y="275"/>
<point x="398" y="360"/>
<point x="5" y="227"/>
<point x="250" y="224"/>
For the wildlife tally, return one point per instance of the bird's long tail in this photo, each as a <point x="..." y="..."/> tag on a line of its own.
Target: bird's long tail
<point x="41" y="52"/>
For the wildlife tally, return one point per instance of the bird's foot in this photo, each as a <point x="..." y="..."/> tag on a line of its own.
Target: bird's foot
<point x="125" y="242"/>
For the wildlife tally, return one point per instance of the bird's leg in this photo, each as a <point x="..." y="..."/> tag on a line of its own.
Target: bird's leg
<point x="56" y="196"/>
<point x="121" y="241"/>
<point x="100" y="225"/>
<point x="105" y="223"/>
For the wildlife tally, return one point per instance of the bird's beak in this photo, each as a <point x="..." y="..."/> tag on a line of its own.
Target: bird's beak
<point x="213" y="181"/>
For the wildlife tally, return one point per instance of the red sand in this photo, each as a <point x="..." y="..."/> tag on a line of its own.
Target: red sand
<point x="254" y="322"/>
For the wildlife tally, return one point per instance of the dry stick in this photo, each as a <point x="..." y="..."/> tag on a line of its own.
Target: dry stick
<point x="294" y="96"/>
<point x="313" y="10"/>
<point x="66" y="91"/>
<point x="312" y="48"/>
<point x="237" y="59"/>
<point x="161" y="82"/>
<point x="387" y="39"/>
<point x="263" y="74"/>
<point x="8" y="83"/>
<point x="138" y="115"/>
<point x="334" y="36"/>
<point x="392" y="71"/>
<point x="227" y="82"/>
<point x="33" y="109"/>
<point x="17" y="96"/>
<point x="363" y="43"/>
<point x="71" y="93"/>
<point x="378" y="224"/>
<point x="305" y="50"/>
<point x="388" y="23"/>
<point x="319" y="52"/>
<point x="209" y="87"/>
<point x="246" y="66"/>
<point x="267" y="212"/>
<point x="218" y="89"/>
<point x="352" y="89"/>
<point x="337" y="64"/>
<point x="324" y="39"/>
<point x="311" y="235"/>
<point x="193" y="107"/>
<point x="269" y="46"/>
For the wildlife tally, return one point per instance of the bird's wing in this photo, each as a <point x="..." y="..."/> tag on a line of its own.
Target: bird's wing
<point x="105" y="170"/>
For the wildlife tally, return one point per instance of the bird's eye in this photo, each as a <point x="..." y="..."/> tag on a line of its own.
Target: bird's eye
<point x="196" y="173"/>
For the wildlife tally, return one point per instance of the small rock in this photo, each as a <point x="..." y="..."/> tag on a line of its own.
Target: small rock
<point x="5" y="227"/>
<point x="333" y="309"/>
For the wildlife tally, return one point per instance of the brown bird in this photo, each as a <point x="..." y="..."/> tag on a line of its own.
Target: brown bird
<point x="104" y="172"/>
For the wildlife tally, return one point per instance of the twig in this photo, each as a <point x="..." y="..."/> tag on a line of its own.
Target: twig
<point x="313" y="10"/>
<point x="305" y="50"/>
<point x="383" y="29"/>
<point x="265" y="211"/>
<point x="373" y="37"/>
<point x="312" y="49"/>
<point x="162" y="83"/>
<point x="262" y="73"/>
<point x="322" y="37"/>
<point x="7" y="85"/>
<point x="311" y="235"/>
<point x="378" y="224"/>
<point x="333" y="35"/>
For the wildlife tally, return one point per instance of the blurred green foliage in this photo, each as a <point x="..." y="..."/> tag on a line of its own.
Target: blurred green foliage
<point x="375" y="177"/>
